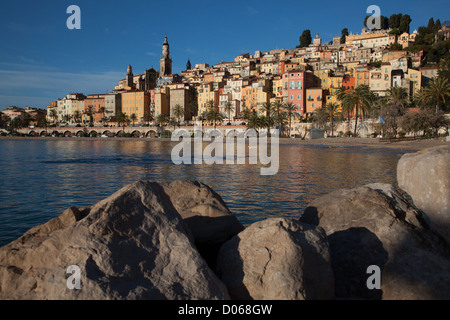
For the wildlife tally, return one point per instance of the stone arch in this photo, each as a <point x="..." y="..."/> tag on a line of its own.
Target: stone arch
<point x="81" y="133"/>
<point x="251" y="133"/>
<point x="120" y="133"/>
<point x="32" y="133"/>
<point x="93" y="134"/>
<point x="136" y="134"/>
<point x="152" y="134"/>
<point x="43" y="133"/>
<point x="67" y="133"/>
<point x="55" y="133"/>
<point x="107" y="133"/>
<point x="213" y="132"/>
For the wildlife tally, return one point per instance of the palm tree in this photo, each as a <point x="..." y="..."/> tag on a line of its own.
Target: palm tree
<point x="437" y="90"/>
<point x="332" y="109"/>
<point x="122" y="120"/>
<point x="267" y="108"/>
<point x="359" y="100"/>
<point x="162" y="119"/>
<point x="148" y="116"/>
<point x="77" y="116"/>
<point x="178" y="112"/>
<point x="394" y="106"/>
<point x="54" y="115"/>
<point x="214" y="116"/>
<point x="228" y="109"/>
<point x="279" y="114"/>
<point x="133" y="118"/>
<point x="102" y="111"/>
<point x="290" y="110"/>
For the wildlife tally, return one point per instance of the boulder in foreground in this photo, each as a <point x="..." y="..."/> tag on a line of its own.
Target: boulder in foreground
<point x="132" y="245"/>
<point x="376" y="225"/>
<point x="425" y="176"/>
<point x="277" y="259"/>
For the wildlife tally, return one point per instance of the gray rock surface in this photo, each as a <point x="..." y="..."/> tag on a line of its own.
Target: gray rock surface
<point x="206" y="215"/>
<point x="132" y="245"/>
<point x="277" y="259"/>
<point x="425" y="176"/>
<point x="376" y="225"/>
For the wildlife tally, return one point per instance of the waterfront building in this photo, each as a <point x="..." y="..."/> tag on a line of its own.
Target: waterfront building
<point x="113" y="105"/>
<point x="136" y="102"/>
<point x="94" y="108"/>
<point x="162" y="101"/>
<point x="70" y="106"/>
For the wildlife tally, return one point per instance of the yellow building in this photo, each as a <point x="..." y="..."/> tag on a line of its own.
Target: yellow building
<point x="162" y="101"/>
<point x="361" y="74"/>
<point x="137" y="102"/>
<point x="415" y="78"/>
<point x="205" y="93"/>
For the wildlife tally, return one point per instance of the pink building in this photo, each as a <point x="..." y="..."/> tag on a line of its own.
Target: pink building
<point x="295" y="83"/>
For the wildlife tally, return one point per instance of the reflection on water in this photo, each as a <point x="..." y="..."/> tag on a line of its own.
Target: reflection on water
<point x="40" y="179"/>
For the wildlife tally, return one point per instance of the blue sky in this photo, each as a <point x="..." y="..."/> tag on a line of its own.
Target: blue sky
<point x="41" y="60"/>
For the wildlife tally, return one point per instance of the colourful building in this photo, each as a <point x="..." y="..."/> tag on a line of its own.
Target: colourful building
<point x="136" y="102"/>
<point x="314" y="100"/>
<point x="295" y="83"/>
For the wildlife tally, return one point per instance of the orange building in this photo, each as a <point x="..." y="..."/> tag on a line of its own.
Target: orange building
<point x="94" y="106"/>
<point x="314" y="100"/>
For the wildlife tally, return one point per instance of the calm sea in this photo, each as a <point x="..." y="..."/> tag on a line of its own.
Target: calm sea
<point x="39" y="179"/>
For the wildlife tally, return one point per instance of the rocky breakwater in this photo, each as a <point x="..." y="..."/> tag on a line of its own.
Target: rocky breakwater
<point x="180" y="241"/>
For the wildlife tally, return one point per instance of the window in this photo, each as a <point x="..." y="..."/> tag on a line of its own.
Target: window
<point x="292" y="85"/>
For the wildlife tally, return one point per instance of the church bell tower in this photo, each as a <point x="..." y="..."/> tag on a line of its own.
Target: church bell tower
<point x="165" y="62"/>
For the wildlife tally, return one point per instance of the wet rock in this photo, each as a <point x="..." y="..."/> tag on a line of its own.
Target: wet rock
<point x="206" y="215"/>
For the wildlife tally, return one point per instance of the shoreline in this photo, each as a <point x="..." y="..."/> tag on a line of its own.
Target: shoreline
<point x="332" y="142"/>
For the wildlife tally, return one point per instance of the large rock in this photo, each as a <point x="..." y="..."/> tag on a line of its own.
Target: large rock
<point x="277" y="259"/>
<point x="376" y="225"/>
<point x="425" y="176"/>
<point x="206" y="215"/>
<point x="132" y="245"/>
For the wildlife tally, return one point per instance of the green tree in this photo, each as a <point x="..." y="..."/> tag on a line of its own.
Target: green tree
<point x="344" y="34"/>
<point x="133" y="118"/>
<point x="43" y="123"/>
<point x="122" y="120"/>
<point x="359" y="100"/>
<point x="332" y="110"/>
<point x="214" y="116"/>
<point x="228" y="109"/>
<point x="437" y="90"/>
<point x="162" y="120"/>
<point x="279" y="115"/>
<point x="54" y="115"/>
<point x="394" y="21"/>
<point x="394" y="107"/>
<point x="267" y="108"/>
<point x="290" y="109"/>
<point x="178" y="112"/>
<point x="405" y="21"/>
<point x="148" y="117"/>
<point x="305" y="38"/>
<point x="90" y="112"/>
<point x="77" y="116"/>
